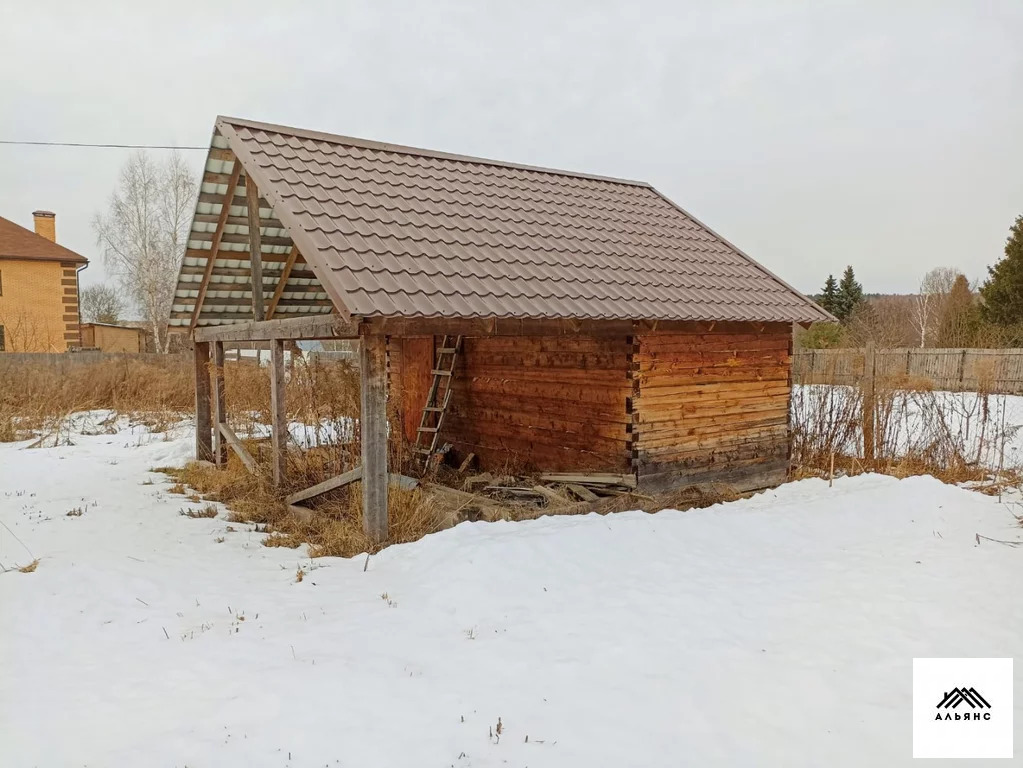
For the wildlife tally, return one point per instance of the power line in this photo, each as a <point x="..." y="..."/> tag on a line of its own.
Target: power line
<point x="101" y="146"/>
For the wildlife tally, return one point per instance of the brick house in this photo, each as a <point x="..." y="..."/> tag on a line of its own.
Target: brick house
<point x="38" y="288"/>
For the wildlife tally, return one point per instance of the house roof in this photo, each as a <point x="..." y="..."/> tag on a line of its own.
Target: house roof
<point x="392" y="231"/>
<point x="16" y="242"/>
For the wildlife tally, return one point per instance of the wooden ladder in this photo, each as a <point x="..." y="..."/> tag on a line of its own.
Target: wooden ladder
<point x="437" y="400"/>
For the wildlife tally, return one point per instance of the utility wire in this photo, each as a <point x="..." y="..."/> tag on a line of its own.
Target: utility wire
<point x="103" y="146"/>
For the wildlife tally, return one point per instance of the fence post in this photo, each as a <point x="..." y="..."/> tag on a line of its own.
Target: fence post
<point x="962" y="371"/>
<point x="867" y="388"/>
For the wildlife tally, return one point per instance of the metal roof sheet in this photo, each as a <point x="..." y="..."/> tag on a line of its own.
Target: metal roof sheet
<point x="399" y="231"/>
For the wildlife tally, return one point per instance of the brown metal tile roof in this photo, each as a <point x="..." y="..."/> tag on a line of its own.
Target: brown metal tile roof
<point x="397" y="231"/>
<point x="16" y="242"/>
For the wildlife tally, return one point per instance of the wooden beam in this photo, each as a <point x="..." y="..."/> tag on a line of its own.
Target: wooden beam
<point x="255" y="248"/>
<point x="373" y="420"/>
<point x="203" y="417"/>
<point x="338" y="481"/>
<point x="347" y="478"/>
<point x="219" y="405"/>
<point x="278" y="412"/>
<point x="484" y="327"/>
<point x="238" y="447"/>
<point x="218" y="236"/>
<point x="319" y="326"/>
<point x="282" y="281"/>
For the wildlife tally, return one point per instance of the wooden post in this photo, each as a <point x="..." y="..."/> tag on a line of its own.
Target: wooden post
<point x="868" y="401"/>
<point x="373" y="419"/>
<point x="278" y="412"/>
<point x="219" y="404"/>
<point x="203" y="419"/>
<point x="255" y="248"/>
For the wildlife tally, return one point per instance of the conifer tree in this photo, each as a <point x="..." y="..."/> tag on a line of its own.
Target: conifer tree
<point x="850" y="293"/>
<point x="829" y="296"/>
<point x="1003" y="291"/>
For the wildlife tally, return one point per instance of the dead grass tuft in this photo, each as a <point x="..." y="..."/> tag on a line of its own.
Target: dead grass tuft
<point x="30" y="568"/>
<point x="206" y="512"/>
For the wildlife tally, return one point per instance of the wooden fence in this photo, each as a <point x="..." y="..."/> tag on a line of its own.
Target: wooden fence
<point x="988" y="370"/>
<point x="62" y="361"/>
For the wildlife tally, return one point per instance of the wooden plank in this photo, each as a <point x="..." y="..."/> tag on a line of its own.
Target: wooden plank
<point x="215" y="249"/>
<point x="598" y="478"/>
<point x="278" y="413"/>
<point x="320" y="326"/>
<point x="868" y="402"/>
<point x="219" y="404"/>
<point x="347" y="478"/>
<point x="583" y="494"/>
<point x="238" y="447"/>
<point x="338" y="481"/>
<point x="203" y="414"/>
<point x="255" y="247"/>
<point x="373" y="420"/>
<point x="282" y="281"/>
<point x="398" y="326"/>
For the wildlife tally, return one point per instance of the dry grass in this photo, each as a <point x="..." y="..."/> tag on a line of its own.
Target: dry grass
<point x="37" y="396"/>
<point x="336" y="527"/>
<point x="204" y="512"/>
<point x="30" y="568"/>
<point x="957" y="437"/>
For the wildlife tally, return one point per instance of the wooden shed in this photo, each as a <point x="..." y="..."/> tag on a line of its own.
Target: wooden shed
<point x="534" y="317"/>
<point x="109" y="337"/>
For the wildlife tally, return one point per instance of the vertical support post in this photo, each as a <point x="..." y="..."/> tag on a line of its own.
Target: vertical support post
<point x="373" y="420"/>
<point x="278" y="412"/>
<point x="868" y="401"/>
<point x="255" y="247"/>
<point x="219" y="405"/>
<point x="203" y="417"/>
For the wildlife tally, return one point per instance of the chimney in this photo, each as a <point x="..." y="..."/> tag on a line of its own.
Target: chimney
<point x="46" y="224"/>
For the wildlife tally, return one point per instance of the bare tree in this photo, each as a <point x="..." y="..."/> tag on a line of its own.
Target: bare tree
<point x="101" y="303"/>
<point x="144" y="232"/>
<point x="929" y="304"/>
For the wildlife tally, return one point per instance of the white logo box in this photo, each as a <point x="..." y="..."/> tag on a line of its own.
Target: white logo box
<point x="962" y="708"/>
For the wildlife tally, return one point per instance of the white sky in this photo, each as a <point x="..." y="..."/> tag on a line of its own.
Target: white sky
<point x="888" y="135"/>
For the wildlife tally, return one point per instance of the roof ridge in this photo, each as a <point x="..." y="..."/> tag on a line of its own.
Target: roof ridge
<point x="352" y="141"/>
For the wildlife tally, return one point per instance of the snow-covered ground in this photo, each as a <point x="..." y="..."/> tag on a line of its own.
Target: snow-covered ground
<point x="775" y="631"/>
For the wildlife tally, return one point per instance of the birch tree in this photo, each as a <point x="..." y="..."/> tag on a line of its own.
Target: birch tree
<point x="929" y="303"/>
<point x="144" y="231"/>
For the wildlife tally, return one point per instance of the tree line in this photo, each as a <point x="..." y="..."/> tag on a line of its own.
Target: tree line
<point x="946" y="311"/>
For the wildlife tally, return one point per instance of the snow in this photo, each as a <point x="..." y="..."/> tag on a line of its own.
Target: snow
<point x="985" y="429"/>
<point x="777" y="630"/>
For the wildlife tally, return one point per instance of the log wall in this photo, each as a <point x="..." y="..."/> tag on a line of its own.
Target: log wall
<point x="705" y="405"/>
<point x="712" y="406"/>
<point x="551" y="403"/>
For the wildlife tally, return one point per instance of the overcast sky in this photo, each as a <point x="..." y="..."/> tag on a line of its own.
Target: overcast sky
<point x="886" y="135"/>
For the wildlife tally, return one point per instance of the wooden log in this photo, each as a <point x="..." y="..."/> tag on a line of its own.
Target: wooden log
<point x="219" y="404"/>
<point x="239" y="448"/>
<point x="203" y="415"/>
<point x="591" y="478"/>
<point x="319" y="326"/>
<point x="278" y="412"/>
<point x="255" y="248"/>
<point x="373" y="420"/>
